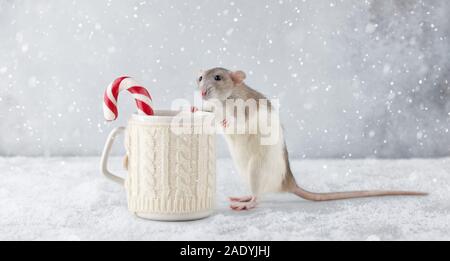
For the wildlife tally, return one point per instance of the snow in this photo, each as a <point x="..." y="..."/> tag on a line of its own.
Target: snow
<point x="68" y="199"/>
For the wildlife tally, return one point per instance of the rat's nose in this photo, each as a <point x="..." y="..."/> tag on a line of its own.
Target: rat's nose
<point x="203" y="93"/>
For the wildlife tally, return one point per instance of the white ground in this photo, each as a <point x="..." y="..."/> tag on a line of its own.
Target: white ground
<point x="68" y="199"/>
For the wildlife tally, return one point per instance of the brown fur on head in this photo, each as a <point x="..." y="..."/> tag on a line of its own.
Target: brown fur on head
<point x="219" y="83"/>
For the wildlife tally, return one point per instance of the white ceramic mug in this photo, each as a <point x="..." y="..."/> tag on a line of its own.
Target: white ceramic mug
<point x="171" y="176"/>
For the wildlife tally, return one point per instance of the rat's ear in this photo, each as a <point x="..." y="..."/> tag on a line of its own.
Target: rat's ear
<point x="238" y="76"/>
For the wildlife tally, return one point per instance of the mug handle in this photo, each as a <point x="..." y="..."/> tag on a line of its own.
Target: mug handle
<point x="105" y="155"/>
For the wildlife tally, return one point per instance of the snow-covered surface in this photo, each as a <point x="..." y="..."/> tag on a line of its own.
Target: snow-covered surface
<point x="68" y="199"/>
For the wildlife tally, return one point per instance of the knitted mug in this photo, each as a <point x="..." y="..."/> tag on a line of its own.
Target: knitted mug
<point x="171" y="175"/>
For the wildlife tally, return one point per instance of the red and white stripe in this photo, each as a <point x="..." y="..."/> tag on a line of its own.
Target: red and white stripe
<point x="140" y="94"/>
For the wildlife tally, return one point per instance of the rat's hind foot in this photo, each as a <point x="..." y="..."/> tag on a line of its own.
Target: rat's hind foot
<point x="241" y="199"/>
<point x="243" y="203"/>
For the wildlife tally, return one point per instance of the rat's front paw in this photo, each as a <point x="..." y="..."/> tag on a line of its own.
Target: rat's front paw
<point x="225" y="123"/>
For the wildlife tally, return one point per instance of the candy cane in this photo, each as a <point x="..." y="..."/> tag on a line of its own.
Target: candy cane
<point x="140" y="94"/>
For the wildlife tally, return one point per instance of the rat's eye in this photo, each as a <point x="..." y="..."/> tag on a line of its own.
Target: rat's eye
<point x="200" y="79"/>
<point x="218" y="78"/>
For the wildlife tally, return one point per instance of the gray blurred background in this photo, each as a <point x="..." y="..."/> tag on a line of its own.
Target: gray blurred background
<point x="354" y="78"/>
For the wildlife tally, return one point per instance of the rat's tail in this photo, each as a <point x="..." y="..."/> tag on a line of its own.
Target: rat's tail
<point x="351" y="194"/>
<point x="291" y="185"/>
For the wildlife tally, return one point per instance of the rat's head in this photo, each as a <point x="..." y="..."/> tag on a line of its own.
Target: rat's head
<point x="219" y="83"/>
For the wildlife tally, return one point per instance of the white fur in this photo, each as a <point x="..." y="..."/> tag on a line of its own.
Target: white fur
<point x="262" y="166"/>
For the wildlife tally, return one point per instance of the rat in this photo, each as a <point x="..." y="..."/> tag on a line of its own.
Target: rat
<point x="265" y="167"/>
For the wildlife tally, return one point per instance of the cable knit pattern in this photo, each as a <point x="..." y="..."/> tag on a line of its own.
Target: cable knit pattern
<point x="182" y="163"/>
<point x="152" y="182"/>
<point x="194" y="163"/>
<point x="211" y="165"/>
<point x="173" y="174"/>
